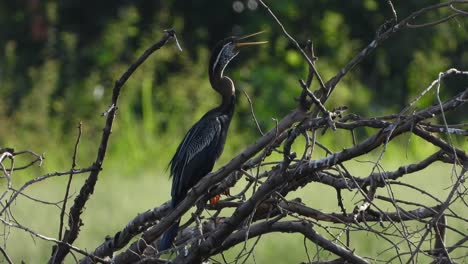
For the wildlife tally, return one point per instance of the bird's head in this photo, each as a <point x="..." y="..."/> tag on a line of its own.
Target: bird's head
<point x="226" y="50"/>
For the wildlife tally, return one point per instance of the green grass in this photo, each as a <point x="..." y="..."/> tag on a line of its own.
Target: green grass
<point x="116" y="200"/>
<point x="119" y="197"/>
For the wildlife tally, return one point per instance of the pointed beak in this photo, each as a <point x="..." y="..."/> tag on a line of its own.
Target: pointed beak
<point x="245" y="44"/>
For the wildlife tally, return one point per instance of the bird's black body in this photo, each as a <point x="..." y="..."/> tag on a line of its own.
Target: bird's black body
<point x="204" y="142"/>
<point x="201" y="147"/>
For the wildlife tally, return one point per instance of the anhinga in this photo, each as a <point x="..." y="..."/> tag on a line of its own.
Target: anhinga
<point x="204" y="142"/>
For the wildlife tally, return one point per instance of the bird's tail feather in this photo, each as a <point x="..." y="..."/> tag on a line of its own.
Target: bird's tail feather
<point x="169" y="236"/>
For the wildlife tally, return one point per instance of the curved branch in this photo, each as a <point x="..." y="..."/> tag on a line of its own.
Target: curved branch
<point x="87" y="189"/>
<point x="302" y="227"/>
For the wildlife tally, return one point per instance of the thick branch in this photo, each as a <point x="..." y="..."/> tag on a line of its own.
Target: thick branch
<point x="302" y="227"/>
<point x="133" y="228"/>
<point x="200" y="190"/>
<point x="416" y="214"/>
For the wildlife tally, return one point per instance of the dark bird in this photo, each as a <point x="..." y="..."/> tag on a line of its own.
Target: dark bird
<point x="204" y="142"/>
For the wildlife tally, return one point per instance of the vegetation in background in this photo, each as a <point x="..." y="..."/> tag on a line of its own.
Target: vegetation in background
<point x="59" y="60"/>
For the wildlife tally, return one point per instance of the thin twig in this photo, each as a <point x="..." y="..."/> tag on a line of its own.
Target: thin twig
<point x="252" y="112"/>
<point x="5" y="255"/>
<point x="298" y="47"/>
<point x="67" y="189"/>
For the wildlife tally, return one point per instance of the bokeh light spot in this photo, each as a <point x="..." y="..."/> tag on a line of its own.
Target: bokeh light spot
<point x="238" y="6"/>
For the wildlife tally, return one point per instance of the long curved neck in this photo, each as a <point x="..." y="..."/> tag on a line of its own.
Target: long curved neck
<point x="225" y="87"/>
<point x="220" y="83"/>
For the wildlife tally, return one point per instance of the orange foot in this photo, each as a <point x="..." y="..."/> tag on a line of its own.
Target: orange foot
<point x="216" y="198"/>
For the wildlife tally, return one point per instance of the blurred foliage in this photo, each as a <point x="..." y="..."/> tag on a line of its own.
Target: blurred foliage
<point x="59" y="60"/>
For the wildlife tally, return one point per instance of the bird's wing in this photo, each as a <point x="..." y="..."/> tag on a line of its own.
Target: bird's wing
<point x="201" y="137"/>
<point x="199" y="140"/>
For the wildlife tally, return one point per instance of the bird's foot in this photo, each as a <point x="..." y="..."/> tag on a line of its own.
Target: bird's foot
<point x="216" y="198"/>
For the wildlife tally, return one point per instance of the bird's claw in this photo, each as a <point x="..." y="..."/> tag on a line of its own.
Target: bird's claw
<point x="215" y="199"/>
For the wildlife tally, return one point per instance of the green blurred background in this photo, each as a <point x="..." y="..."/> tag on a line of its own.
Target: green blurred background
<point x="59" y="60"/>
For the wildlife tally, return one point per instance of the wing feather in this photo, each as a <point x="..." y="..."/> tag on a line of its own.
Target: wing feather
<point x="200" y="142"/>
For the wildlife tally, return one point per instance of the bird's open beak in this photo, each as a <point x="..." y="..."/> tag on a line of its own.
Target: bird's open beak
<point x="244" y="44"/>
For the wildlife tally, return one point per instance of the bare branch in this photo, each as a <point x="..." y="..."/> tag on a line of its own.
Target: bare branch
<point x="67" y="190"/>
<point x="302" y="227"/>
<point x="88" y="188"/>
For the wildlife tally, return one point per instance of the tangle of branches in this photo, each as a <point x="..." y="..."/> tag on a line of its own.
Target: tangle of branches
<point x="270" y="174"/>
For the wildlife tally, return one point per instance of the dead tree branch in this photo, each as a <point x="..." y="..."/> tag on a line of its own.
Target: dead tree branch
<point x="74" y="221"/>
<point x="292" y="156"/>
